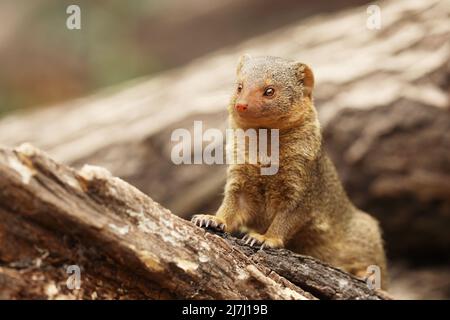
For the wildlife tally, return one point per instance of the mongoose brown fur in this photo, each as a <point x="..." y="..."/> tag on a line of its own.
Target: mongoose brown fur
<point x="303" y="207"/>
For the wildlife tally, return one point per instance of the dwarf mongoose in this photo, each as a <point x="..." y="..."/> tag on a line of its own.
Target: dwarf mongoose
<point x="303" y="207"/>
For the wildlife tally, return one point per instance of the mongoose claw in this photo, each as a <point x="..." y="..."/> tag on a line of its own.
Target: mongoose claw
<point x="208" y="222"/>
<point x="253" y="239"/>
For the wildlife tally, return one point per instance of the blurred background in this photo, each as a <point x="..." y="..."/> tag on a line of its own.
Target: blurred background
<point x="42" y="62"/>
<point x="111" y="93"/>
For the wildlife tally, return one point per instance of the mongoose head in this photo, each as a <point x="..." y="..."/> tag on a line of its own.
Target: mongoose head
<point x="272" y="92"/>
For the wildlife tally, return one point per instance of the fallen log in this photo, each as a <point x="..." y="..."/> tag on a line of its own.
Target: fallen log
<point x="127" y="246"/>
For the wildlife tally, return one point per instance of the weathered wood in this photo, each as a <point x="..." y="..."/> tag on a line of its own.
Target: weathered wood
<point x="312" y="275"/>
<point x="400" y="162"/>
<point x="128" y="246"/>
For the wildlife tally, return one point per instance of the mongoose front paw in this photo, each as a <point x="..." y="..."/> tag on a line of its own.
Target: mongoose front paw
<point x="209" y="221"/>
<point x="253" y="238"/>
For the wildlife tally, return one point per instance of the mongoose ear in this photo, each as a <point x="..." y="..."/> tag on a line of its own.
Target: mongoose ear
<point x="306" y="77"/>
<point x="242" y="60"/>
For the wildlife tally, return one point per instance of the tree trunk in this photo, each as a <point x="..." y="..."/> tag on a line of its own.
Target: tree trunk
<point x="128" y="246"/>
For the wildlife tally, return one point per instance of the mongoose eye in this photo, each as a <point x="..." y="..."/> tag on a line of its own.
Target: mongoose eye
<point x="239" y="88"/>
<point x="269" y="92"/>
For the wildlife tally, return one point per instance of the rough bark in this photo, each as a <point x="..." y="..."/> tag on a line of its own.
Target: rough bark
<point x="383" y="103"/>
<point x="128" y="246"/>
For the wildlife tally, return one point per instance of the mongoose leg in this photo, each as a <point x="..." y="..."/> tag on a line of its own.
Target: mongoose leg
<point x="253" y="238"/>
<point x="283" y="226"/>
<point x="229" y="217"/>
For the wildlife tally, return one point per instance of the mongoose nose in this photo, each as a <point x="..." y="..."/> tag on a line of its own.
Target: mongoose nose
<point x="241" y="107"/>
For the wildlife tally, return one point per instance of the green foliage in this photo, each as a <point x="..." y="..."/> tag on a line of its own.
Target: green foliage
<point x="43" y="62"/>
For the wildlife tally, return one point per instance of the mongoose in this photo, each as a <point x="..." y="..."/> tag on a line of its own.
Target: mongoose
<point x="303" y="207"/>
